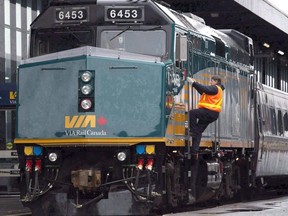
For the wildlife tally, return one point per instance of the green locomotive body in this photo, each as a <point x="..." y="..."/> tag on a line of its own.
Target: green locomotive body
<point x="103" y="110"/>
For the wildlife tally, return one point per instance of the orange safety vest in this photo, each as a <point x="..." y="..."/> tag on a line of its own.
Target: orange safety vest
<point x="212" y="102"/>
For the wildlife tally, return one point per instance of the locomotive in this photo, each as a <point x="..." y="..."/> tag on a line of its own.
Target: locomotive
<point x="103" y="112"/>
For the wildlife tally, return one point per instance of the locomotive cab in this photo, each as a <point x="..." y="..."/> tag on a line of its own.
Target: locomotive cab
<point x="140" y="29"/>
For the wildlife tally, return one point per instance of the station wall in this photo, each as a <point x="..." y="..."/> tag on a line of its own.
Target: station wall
<point x="15" y="19"/>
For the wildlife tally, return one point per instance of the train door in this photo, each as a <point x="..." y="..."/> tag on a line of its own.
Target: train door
<point x="9" y="173"/>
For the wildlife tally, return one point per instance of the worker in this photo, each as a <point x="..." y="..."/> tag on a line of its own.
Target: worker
<point x="209" y="107"/>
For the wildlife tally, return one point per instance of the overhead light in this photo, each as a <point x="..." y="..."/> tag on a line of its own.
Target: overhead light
<point x="266" y="45"/>
<point x="214" y="15"/>
<point x="280" y="52"/>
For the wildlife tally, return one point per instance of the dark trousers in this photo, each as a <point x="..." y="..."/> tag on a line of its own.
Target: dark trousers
<point x="199" y="120"/>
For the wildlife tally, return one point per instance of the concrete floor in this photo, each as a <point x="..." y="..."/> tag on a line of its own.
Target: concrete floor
<point x="270" y="207"/>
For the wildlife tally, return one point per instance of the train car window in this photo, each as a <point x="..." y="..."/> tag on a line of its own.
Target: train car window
<point x="265" y="121"/>
<point x="142" y="42"/>
<point x="261" y="121"/>
<point x="285" y="118"/>
<point x="55" y="41"/>
<point x="273" y="121"/>
<point x="280" y="123"/>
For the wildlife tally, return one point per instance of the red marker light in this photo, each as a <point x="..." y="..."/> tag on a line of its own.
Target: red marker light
<point x="28" y="166"/>
<point x="149" y="164"/>
<point x="140" y="164"/>
<point x="38" y="165"/>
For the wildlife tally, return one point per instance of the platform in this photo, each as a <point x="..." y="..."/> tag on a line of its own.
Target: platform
<point x="11" y="206"/>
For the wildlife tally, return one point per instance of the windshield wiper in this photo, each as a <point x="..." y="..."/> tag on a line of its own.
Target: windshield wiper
<point x="74" y="35"/>
<point x="120" y="33"/>
<point x="154" y="28"/>
<point x="151" y="29"/>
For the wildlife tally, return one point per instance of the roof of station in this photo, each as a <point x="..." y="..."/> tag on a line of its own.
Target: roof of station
<point x="258" y="19"/>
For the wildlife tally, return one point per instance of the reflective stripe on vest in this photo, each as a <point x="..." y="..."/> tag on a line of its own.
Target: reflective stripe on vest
<point x="212" y="102"/>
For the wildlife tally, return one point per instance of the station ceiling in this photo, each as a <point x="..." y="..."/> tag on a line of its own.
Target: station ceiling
<point x="228" y="14"/>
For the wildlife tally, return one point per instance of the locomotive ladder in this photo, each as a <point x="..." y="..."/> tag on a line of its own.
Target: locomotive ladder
<point x="191" y="164"/>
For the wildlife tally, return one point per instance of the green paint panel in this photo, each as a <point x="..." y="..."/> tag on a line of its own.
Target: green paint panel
<point x="128" y="99"/>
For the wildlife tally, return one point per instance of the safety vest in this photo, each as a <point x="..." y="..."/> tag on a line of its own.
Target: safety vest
<point x="212" y="102"/>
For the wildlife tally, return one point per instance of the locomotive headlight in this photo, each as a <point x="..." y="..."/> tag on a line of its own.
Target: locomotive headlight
<point x="86" y="89"/>
<point x="86" y="76"/>
<point x="52" y="156"/>
<point x="121" y="156"/>
<point x="86" y="98"/>
<point x="86" y="104"/>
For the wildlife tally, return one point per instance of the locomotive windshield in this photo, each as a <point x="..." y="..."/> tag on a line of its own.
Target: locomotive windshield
<point x="50" y="41"/>
<point x="142" y="42"/>
<point x="149" y="42"/>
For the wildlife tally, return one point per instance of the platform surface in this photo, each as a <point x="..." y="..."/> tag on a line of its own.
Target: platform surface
<point x="11" y="205"/>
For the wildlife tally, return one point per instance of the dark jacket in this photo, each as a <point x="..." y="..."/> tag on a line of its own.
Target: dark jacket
<point x="208" y="89"/>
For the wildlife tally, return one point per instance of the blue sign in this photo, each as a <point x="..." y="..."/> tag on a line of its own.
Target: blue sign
<point x="7" y="96"/>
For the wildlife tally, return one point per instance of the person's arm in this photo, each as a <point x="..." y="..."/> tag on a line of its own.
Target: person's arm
<point x="210" y="90"/>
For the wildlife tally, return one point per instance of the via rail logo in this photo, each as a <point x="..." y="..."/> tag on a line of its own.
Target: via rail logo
<point x="78" y="125"/>
<point x="12" y="97"/>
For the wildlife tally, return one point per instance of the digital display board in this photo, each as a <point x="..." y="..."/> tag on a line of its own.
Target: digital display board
<point x="124" y="13"/>
<point x="72" y="14"/>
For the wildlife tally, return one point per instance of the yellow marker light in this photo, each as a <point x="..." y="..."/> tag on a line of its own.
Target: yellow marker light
<point x="150" y="149"/>
<point x="28" y="150"/>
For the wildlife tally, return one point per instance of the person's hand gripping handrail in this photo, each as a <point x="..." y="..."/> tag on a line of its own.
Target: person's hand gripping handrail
<point x="191" y="80"/>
